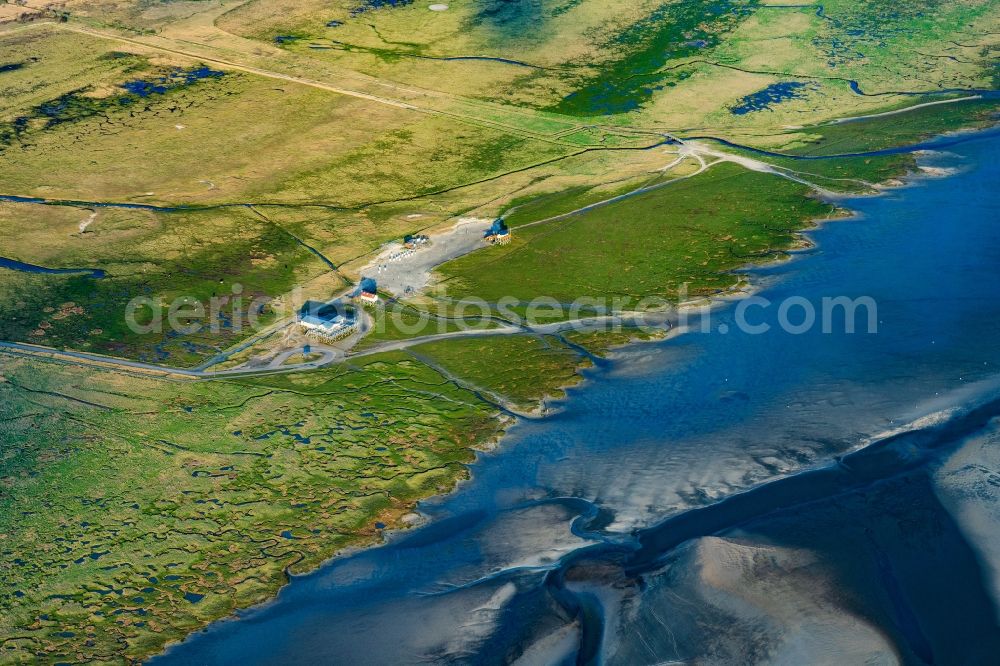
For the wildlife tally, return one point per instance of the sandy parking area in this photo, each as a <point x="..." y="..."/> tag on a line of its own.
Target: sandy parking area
<point x="400" y="272"/>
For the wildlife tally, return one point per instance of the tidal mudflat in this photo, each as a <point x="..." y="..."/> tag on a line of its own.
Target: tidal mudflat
<point x="160" y="472"/>
<point x="830" y="462"/>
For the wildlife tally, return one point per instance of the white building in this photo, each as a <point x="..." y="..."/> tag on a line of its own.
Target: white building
<point x="330" y="321"/>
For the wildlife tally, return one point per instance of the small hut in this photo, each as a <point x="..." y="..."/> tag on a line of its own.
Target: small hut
<point x="367" y="291"/>
<point x="498" y="233"/>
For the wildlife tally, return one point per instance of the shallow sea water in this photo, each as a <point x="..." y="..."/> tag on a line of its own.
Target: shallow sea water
<point x="699" y="498"/>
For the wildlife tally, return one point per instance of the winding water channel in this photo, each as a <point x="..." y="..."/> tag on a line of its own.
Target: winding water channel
<point x="723" y="493"/>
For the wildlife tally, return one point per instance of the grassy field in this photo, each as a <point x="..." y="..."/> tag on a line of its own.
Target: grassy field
<point x="134" y="510"/>
<point x="267" y="145"/>
<point x="901" y="129"/>
<point x="496" y="366"/>
<point x="235" y="138"/>
<point x="230" y="256"/>
<point x="692" y="232"/>
<point x="144" y="131"/>
<point x="858" y="174"/>
<point x="600" y="343"/>
<point x="686" y="64"/>
<point x="401" y="321"/>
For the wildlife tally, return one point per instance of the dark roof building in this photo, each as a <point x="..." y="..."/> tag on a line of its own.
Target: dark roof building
<point x="498" y="233"/>
<point x="499" y="228"/>
<point x="330" y="320"/>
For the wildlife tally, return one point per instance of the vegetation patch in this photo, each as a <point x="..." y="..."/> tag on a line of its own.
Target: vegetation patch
<point x="763" y="99"/>
<point x="138" y="510"/>
<point x="520" y="370"/>
<point x="173" y="262"/>
<point x="684" y="237"/>
<point x="79" y="105"/>
<point x="134" y="511"/>
<point x="674" y="31"/>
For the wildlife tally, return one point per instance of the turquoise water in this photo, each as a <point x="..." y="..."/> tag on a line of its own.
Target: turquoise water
<point x="721" y="494"/>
